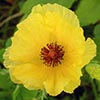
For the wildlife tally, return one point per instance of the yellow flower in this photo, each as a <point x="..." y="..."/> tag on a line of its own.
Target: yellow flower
<point x="48" y="50"/>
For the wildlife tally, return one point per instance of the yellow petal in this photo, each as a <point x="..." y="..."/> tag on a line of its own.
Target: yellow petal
<point x="72" y="74"/>
<point x="72" y="85"/>
<point x="90" y="51"/>
<point x="24" y="43"/>
<point x="67" y="14"/>
<point x="30" y="75"/>
<point x="55" y="82"/>
<point x="73" y="44"/>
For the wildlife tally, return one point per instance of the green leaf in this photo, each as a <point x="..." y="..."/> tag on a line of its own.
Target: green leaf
<point x="88" y="11"/>
<point x="93" y="70"/>
<point x="97" y="41"/>
<point x="26" y="9"/>
<point x="98" y="85"/>
<point x="1" y="54"/>
<point x="51" y="98"/>
<point x="6" y="86"/>
<point x="22" y="93"/>
<point x="5" y="82"/>
<point x="8" y="43"/>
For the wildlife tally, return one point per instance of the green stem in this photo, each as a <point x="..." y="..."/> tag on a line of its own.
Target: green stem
<point x="42" y="95"/>
<point x="94" y="89"/>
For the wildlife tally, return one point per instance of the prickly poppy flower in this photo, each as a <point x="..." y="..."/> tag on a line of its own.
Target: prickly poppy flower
<point x="48" y="50"/>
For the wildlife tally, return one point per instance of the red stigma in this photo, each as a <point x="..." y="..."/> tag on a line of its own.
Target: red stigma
<point x="52" y="54"/>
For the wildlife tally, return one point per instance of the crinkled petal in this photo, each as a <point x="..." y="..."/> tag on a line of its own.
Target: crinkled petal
<point x="27" y="42"/>
<point x="67" y="14"/>
<point x="72" y="74"/>
<point x="30" y="75"/>
<point x="72" y="85"/>
<point x="90" y="51"/>
<point x="55" y="82"/>
<point x="73" y="44"/>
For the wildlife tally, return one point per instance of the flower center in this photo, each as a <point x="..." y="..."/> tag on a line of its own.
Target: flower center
<point x="52" y="54"/>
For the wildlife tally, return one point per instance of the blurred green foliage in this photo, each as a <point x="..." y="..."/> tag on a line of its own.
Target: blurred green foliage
<point x="89" y="16"/>
<point x="6" y="86"/>
<point x="21" y="93"/>
<point x="94" y="70"/>
<point x="97" y="41"/>
<point x="88" y="12"/>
